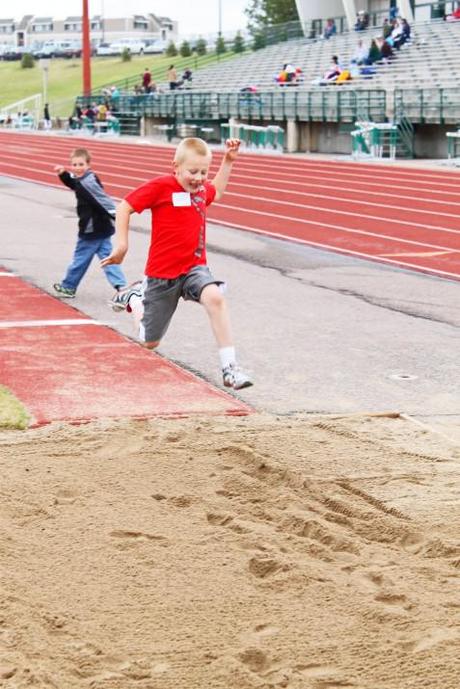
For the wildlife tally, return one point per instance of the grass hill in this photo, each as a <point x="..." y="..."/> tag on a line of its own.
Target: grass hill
<point x="65" y="76"/>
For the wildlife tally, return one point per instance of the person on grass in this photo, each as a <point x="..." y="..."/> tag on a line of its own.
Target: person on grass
<point x="176" y="264"/>
<point x="96" y="214"/>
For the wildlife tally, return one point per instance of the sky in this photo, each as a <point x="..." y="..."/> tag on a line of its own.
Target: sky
<point x="194" y="17"/>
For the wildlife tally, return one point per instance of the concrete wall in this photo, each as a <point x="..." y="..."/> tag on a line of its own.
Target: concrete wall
<point x="326" y="137"/>
<point x="319" y="9"/>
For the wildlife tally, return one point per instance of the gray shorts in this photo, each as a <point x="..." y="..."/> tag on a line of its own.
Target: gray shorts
<point x="161" y="297"/>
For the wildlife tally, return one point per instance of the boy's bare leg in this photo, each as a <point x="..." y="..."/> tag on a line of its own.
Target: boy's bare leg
<point x="216" y="307"/>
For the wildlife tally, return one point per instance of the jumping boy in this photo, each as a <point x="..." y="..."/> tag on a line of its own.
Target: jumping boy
<point x="176" y="264"/>
<point x="96" y="214"/>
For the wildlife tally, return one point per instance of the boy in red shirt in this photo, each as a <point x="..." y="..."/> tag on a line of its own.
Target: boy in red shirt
<point x="176" y="264"/>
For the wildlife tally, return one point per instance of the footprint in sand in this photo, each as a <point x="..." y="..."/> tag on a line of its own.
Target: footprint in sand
<point x="255" y="659"/>
<point x="133" y="537"/>
<point x="263" y="566"/>
<point x="262" y="630"/>
<point x="433" y="638"/>
<point x="65" y="496"/>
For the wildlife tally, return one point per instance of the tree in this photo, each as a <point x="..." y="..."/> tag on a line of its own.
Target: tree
<point x="201" y="47"/>
<point x="238" y="43"/>
<point x="185" y="49"/>
<point x="27" y="61"/>
<point x="220" y="46"/>
<point x="171" y="50"/>
<point x="260" y="40"/>
<point x="263" y="13"/>
<point x="126" y="55"/>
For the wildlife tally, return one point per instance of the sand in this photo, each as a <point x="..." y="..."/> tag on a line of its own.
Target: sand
<point x="231" y="553"/>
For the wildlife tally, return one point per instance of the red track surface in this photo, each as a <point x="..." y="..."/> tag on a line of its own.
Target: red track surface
<point x="400" y="216"/>
<point x="64" y="369"/>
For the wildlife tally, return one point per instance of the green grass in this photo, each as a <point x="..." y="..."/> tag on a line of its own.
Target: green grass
<point x="12" y="413"/>
<point x="65" y="76"/>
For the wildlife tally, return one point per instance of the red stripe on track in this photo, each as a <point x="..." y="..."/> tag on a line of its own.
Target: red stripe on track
<point x="403" y="216"/>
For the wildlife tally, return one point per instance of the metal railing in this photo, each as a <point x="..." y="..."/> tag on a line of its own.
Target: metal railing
<point x="433" y="106"/>
<point x="406" y="136"/>
<point x="318" y="105"/>
<point x="158" y="71"/>
<point x="27" y="111"/>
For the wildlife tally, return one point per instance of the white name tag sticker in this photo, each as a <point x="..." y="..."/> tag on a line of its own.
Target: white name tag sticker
<point x="181" y="198"/>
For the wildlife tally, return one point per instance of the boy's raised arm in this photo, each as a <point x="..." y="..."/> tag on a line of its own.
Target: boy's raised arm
<point x="220" y="181"/>
<point x="120" y="249"/>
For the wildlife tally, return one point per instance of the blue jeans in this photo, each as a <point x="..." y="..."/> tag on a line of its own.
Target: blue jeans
<point x="84" y="253"/>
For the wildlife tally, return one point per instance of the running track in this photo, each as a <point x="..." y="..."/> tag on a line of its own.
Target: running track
<point x="395" y="215"/>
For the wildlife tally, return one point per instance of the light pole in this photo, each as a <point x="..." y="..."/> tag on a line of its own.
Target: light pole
<point x="86" y="51"/>
<point x="220" y="17"/>
<point x="44" y="64"/>
<point x="102" y="22"/>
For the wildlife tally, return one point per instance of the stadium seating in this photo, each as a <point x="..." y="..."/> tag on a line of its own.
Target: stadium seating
<point x="430" y="59"/>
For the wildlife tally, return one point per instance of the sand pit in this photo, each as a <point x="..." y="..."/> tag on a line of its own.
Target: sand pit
<point x="231" y="553"/>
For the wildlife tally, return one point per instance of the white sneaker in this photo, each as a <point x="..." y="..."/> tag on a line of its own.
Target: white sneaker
<point x="120" y="301"/>
<point x="234" y="377"/>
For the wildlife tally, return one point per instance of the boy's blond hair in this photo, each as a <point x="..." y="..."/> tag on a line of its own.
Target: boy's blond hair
<point x="191" y="145"/>
<point x="81" y="153"/>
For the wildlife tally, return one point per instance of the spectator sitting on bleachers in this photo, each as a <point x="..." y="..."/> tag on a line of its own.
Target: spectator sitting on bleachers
<point x="186" y="79"/>
<point x="330" y="75"/>
<point x="101" y="114"/>
<point x="386" y="51"/>
<point x="91" y="112"/>
<point x="387" y="28"/>
<point x="374" y="53"/>
<point x="113" y="122"/>
<point x="361" y="53"/>
<point x="289" y="76"/>
<point x="400" y="33"/>
<point x="362" y="21"/>
<point x="114" y="98"/>
<point x="146" y="80"/>
<point x="330" y="29"/>
<point x="286" y="75"/>
<point x="454" y="17"/>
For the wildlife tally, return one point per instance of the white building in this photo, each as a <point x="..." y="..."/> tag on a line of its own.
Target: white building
<point x="32" y="30"/>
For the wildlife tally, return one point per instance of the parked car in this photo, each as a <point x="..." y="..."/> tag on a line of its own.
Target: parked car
<point x="157" y="46"/>
<point x="107" y="49"/>
<point x="134" y="46"/>
<point x="14" y="53"/>
<point x="58" y="49"/>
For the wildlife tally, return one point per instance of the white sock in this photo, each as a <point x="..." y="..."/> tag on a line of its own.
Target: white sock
<point x="227" y="356"/>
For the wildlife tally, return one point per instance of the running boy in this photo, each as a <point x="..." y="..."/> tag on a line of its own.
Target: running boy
<point x="96" y="214"/>
<point x="176" y="264"/>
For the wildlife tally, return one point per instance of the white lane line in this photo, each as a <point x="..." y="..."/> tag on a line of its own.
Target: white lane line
<point x="319" y="224"/>
<point x="354" y="214"/>
<point x="340" y="250"/>
<point x="357" y="201"/>
<point x="6" y="275"/>
<point x="41" y="324"/>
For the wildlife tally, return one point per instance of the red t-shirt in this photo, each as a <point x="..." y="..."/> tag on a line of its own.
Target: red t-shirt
<point x="178" y="240"/>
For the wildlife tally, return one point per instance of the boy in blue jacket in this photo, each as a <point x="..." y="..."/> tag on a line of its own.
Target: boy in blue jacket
<point x="96" y="215"/>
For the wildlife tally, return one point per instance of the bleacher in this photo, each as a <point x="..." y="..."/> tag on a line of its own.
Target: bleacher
<point x="430" y="59"/>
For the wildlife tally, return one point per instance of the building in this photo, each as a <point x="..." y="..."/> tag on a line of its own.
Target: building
<point x="31" y="31"/>
<point x="412" y="10"/>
